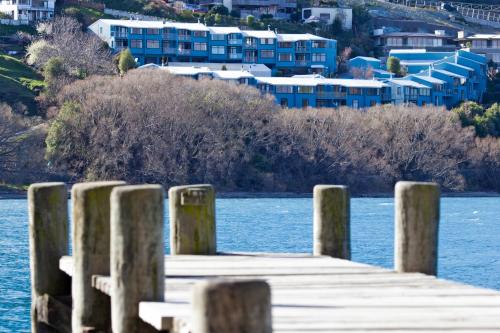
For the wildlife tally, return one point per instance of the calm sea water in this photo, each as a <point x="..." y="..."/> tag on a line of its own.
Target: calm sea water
<point x="469" y="243"/>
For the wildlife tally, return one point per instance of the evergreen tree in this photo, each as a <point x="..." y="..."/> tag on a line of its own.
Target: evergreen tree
<point x="126" y="61"/>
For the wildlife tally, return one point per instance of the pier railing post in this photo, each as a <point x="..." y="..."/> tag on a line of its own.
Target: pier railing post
<point x="416" y="227"/>
<point x="332" y="221"/>
<point x="48" y="231"/>
<point x="137" y="253"/>
<point x="227" y="306"/>
<point x="192" y="219"/>
<point x="91" y="254"/>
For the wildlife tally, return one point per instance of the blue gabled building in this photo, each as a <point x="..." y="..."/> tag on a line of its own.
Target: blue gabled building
<point x="464" y="73"/>
<point x="161" y="42"/>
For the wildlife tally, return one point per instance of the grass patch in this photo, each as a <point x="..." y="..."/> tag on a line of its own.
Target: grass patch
<point x="84" y="15"/>
<point x="19" y="83"/>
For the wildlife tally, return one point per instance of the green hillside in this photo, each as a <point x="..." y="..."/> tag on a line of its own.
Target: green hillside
<point x="18" y="83"/>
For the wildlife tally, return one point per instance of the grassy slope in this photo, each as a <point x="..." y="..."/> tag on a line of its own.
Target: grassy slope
<point x="18" y="82"/>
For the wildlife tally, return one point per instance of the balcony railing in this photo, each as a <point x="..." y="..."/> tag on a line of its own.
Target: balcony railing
<point x="235" y="55"/>
<point x="169" y="50"/>
<point x="251" y="45"/>
<point x="250" y="59"/>
<point x="331" y="94"/>
<point x="184" y="51"/>
<point x="301" y="49"/>
<point x="184" y="37"/>
<point x="235" y="41"/>
<point x="169" y="35"/>
<point x="301" y="62"/>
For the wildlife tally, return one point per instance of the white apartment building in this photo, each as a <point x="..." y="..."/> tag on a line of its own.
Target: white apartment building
<point x="486" y="44"/>
<point x="328" y="15"/>
<point x="28" y="10"/>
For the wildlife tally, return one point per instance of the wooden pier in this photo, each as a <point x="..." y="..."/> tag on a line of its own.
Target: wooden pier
<point x="198" y="290"/>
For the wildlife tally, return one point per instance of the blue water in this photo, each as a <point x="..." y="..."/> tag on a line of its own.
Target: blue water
<point x="469" y="242"/>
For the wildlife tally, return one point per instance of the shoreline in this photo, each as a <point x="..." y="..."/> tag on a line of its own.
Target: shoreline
<point x="22" y="195"/>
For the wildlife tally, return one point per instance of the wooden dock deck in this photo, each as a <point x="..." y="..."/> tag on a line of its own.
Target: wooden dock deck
<point x="119" y="280"/>
<point x="323" y="294"/>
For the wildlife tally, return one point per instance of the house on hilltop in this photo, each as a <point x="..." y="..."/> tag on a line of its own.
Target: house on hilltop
<point x="26" y="11"/>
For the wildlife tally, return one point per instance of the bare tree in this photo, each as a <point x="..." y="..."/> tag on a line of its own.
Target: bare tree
<point x="11" y="137"/>
<point x="343" y="58"/>
<point x="150" y="126"/>
<point x="82" y="53"/>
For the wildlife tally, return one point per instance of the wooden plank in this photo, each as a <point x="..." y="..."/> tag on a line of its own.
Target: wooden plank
<point x="322" y="294"/>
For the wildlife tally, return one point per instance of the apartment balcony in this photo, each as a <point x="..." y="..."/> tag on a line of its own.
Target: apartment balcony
<point x="331" y="94"/>
<point x="235" y="56"/>
<point x="301" y="62"/>
<point x="235" y="41"/>
<point x="250" y="59"/>
<point x="184" y="37"/>
<point x="301" y="49"/>
<point x="121" y="35"/>
<point x="251" y="45"/>
<point x="183" y="51"/>
<point x="169" y="50"/>
<point x="170" y="36"/>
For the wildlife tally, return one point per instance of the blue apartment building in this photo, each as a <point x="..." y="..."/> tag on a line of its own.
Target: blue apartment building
<point x="460" y="75"/>
<point x="447" y="82"/>
<point x="160" y="42"/>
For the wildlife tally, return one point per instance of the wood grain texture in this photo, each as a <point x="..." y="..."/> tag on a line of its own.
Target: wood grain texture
<point x="323" y="294"/>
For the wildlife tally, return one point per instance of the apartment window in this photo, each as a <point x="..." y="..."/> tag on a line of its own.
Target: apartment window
<point x="285" y="45"/>
<point x="200" y="46"/>
<point x="152" y="31"/>
<point x="218" y="37"/>
<point x="354" y="91"/>
<point x="250" y="41"/>
<point x="284" y="102"/>
<point x="305" y="90"/>
<point x="479" y="44"/>
<point x="319" y="44"/>
<point x="495" y="57"/>
<point x="136" y="31"/>
<point x="371" y="91"/>
<point x="399" y="91"/>
<point x="392" y="41"/>
<point x="100" y="30"/>
<point x="136" y="43"/>
<point x="425" y="92"/>
<point x="218" y="50"/>
<point x="267" y="54"/>
<point x="200" y="33"/>
<point x="285" y="56"/>
<point x="284" y="89"/>
<point x="153" y="44"/>
<point x="267" y="41"/>
<point x="324" y="17"/>
<point x="319" y="57"/>
<point x="495" y="44"/>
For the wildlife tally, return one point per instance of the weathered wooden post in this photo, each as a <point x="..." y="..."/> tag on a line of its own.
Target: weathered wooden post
<point x="416" y="229"/>
<point x="192" y="219"/>
<point x="91" y="254"/>
<point x="137" y="254"/>
<point x="231" y="306"/>
<point x="48" y="231"/>
<point x="332" y="221"/>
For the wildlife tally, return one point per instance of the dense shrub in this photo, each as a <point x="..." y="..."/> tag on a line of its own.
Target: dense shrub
<point x="150" y="126"/>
